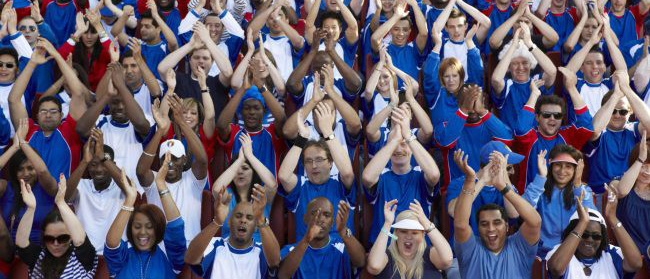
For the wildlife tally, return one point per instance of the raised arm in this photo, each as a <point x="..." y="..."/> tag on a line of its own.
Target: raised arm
<point x="149" y="78"/>
<point x="76" y="88"/>
<point x="143" y="169"/>
<point x="25" y="225"/>
<point x="221" y="205"/>
<point x="579" y="57"/>
<point x="239" y="74"/>
<point x="497" y="81"/>
<point x="297" y="41"/>
<point x="222" y="61"/>
<point x="167" y="32"/>
<point x="17" y="109"/>
<point x="422" y="156"/>
<point x="168" y="204"/>
<point x="426" y="128"/>
<point x="377" y="257"/>
<point x="114" y="235"/>
<point x="270" y="245"/>
<point x="270" y="183"/>
<point x="294" y="82"/>
<point x="442" y="18"/>
<point x="276" y="109"/>
<point x="462" y="212"/>
<point x="559" y="262"/>
<point x="131" y="21"/>
<point x="640" y="109"/>
<point x="352" y="30"/>
<point x="496" y="39"/>
<point x="480" y="18"/>
<point x="117" y="30"/>
<point x="352" y="246"/>
<point x="614" y="52"/>
<point x="632" y="260"/>
<point x="377" y="164"/>
<point x="310" y="26"/>
<point x="550" y="37"/>
<point x="349" y="115"/>
<point x="77" y="233"/>
<point x="629" y="177"/>
<point x="373" y="134"/>
<point x="570" y="81"/>
<point x="642" y="72"/>
<point x="200" y="162"/>
<point x="286" y="175"/>
<point x="550" y="71"/>
<point x="43" y="174"/>
<point x="290" y="129"/>
<point x="440" y="253"/>
<point x="351" y="79"/>
<point x="574" y="37"/>
<point x="380" y="33"/>
<point x="87" y="121"/>
<point x="327" y="117"/>
<point x="176" y="56"/>
<point x="228" y="112"/>
<point x="77" y="174"/>
<point x="604" y="114"/>
<point x="133" y="110"/>
<point x="291" y="262"/>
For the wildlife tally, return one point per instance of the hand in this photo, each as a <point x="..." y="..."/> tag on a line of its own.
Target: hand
<point x="60" y="192"/>
<point x="22" y="130"/>
<point x="400" y="10"/>
<point x="130" y="191"/>
<point x="500" y="164"/>
<point x="151" y="5"/>
<point x="38" y="56"/>
<point x="577" y="177"/>
<point x="196" y="42"/>
<point x="28" y="196"/>
<point x="409" y="90"/>
<point x="389" y="211"/>
<point x="170" y="78"/>
<point x="535" y="84"/>
<point x="175" y="103"/>
<point x="542" y="167"/>
<point x="318" y="94"/>
<point x="88" y="151"/>
<point x="12" y="21"/>
<point x="521" y="9"/>
<point x="35" y="12"/>
<point x="49" y="47"/>
<point x="643" y="147"/>
<point x="114" y="51"/>
<point x="135" y="46"/>
<point x="162" y="121"/>
<point x="394" y="98"/>
<point x="472" y="32"/>
<point x="215" y="5"/>
<point x="221" y="205"/>
<point x="127" y="10"/>
<point x="596" y="36"/>
<point x="583" y="215"/>
<point x="246" y="145"/>
<point x="525" y="34"/>
<point x="466" y="100"/>
<point x="162" y="172"/>
<point x="302" y="128"/>
<point x="259" y="202"/>
<point x="117" y="75"/>
<point x="326" y="117"/>
<point x="313" y="229"/>
<point x="646" y="44"/>
<point x="516" y="38"/>
<point x="342" y="217"/>
<point x="436" y="36"/>
<point x="612" y="202"/>
<point x="423" y="218"/>
<point x="328" y="76"/>
<point x="395" y="133"/>
<point x="622" y="78"/>
<point x="203" y="33"/>
<point x="201" y="77"/>
<point x="382" y="58"/>
<point x="93" y="17"/>
<point x="257" y="80"/>
<point x="330" y="44"/>
<point x="4" y="30"/>
<point x="250" y="41"/>
<point x="461" y="161"/>
<point x="98" y="137"/>
<point x="478" y="101"/>
<point x="317" y="36"/>
<point x="401" y="116"/>
<point x="570" y="78"/>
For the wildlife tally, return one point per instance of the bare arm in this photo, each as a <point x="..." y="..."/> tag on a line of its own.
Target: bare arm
<point x="133" y="110"/>
<point x="496" y="39"/>
<point x="483" y="21"/>
<point x="77" y="233"/>
<point x="462" y="212"/>
<point x="377" y="257"/>
<point x="629" y="177"/>
<point x="25" y="225"/>
<point x="574" y="37"/>
<point x="352" y="31"/>
<point x="118" y="26"/>
<point x="114" y="235"/>
<point x="167" y="32"/>
<point x="349" y="115"/>
<point x="200" y="163"/>
<point x="310" y="21"/>
<point x="44" y="178"/>
<point x="228" y="112"/>
<point x="497" y="81"/>
<point x="604" y="114"/>
<point x="168" y="204"/>
<point x="373" y="170"/>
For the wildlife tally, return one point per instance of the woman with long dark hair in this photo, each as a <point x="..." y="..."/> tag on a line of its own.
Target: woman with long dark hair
<point x="556" y="202"/>
<point x="146" y="226"/>
<point x="24" y="164"/>
<point x="66" y="252"/>
<point x="89" y="47"/>
<point x="585" y="251"/>
<point x="243" y="173"/>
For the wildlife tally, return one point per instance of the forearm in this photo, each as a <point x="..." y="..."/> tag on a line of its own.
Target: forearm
<point x="441" y="21"/>
<point x="133" y="110"/>
<point x="601" y="119"/>
<point x="54" y="89"/>
<point x="277" y="111"/>
<point x="550" y="71"/>
<point x="292" y="261"/>
<point x="631" y="253"/>
<point x="641" y="111"/>
<point x="72" y="223"/>
<point x="642" y="74"/>
<point x="426" y="127"/>
<point x="193" y="143"/>
<point x="373" y="170"/>
<point x="464" y="203"/>
<point x="194" y="253"/>
<point x="350" y="76"/>
<point x="286" y="174"/>
<point x="149" y="78"/>
<point x="239" y="74"/>
<point x="270" y="247"/>
<point x="546" y="30"/>
<point x="501" y="69"/>
<point x="223" y="63"/>
<point x="87" y="121"/>
<point x="228" y="175"/>
<point x="558" y="263"/>
<point x="381" y="32"/>
<point x="9" y="152"/>
<point x="526" y="211"/>
<point x="24" y="228"/>
<point x="614" y="52"/>
<point x="356" y="251"/>
<point x="440" y="254"/>
<point x="349" y="115"/>
<point x="73" y="180"/>
<point x="114" y="234"/>
<point x="173" y="58"/>
<point x="167" y="32"/>
<point x="168" y="204"/>
<point x="578" y="103"/>
<point x="227" y="114"/>
<point x="143" y="168"/>
<point x="118" y="26"/>
<point x="377" y="257"/>
<point x="264" y="173"/>
<point x="294" y="82"/>
<point x="496" y="39"/>
<point x="426" y="162"/>
<point x="579" y="57"/>
<point x="629" y="179"/>
<point x="371" y="82"/>
<point x="341" y="160"/>
<point x="573" y="38"/>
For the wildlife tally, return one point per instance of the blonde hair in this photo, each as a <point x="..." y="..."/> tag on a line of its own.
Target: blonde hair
<point x="406" y="269"/>
<point x="520" y="51"/>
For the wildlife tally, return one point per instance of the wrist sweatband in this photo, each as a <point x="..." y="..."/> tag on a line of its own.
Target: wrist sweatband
<point x="300" y="141"/>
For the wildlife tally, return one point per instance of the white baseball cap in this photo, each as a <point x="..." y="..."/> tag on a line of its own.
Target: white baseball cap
<point x="173" y="146"/>
<point x="408" y="224"/>
<point x="594" y="215"/>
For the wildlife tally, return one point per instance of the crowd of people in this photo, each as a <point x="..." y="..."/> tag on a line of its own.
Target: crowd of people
<point x="339" y="139"/>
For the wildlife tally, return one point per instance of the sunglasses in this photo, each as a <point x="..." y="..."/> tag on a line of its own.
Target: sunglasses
<point x="7" y="65"/>
<point x="594" y="236"/>
<point x="24" y="27"/>
<point x="621" y="112"/>
<point x="556" y="115"/>
<point x="64" y="238"/>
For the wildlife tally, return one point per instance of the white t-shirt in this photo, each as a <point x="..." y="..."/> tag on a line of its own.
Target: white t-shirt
<point x="143" y="97"/>
<point x="125" y="143"/>
<point x="187" y="193"/>
<point x="97" y="210"/>
<point x="457" y="50"/>
<point x="4" y="103"/>
<point x="229" y="262"/>
<point x="603" y="268"/>
<point x="282" y="52"/>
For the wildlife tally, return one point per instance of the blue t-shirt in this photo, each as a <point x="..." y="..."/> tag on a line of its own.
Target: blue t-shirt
<point x="634" y="212"/>
<point x="127" y="262"/>
<point x="329" y="262"/>
<point x="514" y="261"/>
<point x="153" y="54"/>
<point x="297" y="200"/>
<point x="407" y="58"/>
<point x="497" y="18"/>
<point x="513" y="97"/>
<point x="61" y="19"/>
<point x="403" y="187"/>
<point x="624" y="27"/>
<point x="562" y="23"/>
<point x="44" y="204"/>
<point x="607" y="156"/>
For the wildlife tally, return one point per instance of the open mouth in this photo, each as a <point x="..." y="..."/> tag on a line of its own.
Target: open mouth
<point x="143" y="241"/>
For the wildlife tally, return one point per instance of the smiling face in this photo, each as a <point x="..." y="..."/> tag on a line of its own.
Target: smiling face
<point x="593" y="67"/>
<point x="400" y="32"/>
<point x="132" y="73"/>
<point x="56" y="230"/>
<point x="28" y="27"/>
<point x="387" y="5"/>
<point x="492" y="228"/>
<point x="175" y="169"/>
<point x="618" y="6"/>
<point x="408" y="242"/>
<point x="143" y="232"/>
<point x="644" y="174"/>
<point x="117" y="110"/>
<point x="456" y="28"/>
<point x="317" y="164"/>
<point x="383" y="84"/>
<point x="252" y="112"/>
<point x="259" y="67"/>
<point x="191" y="115"/>
<point x="563" y="173"/>
<point x="588" y="245"/>
<point x="618" y="121"/>
<point x="9" y="68"/>
<point x="98" y="172"/>
<point x="549" y="126"/>
<point x="520" y="69"/>
<point x="242" y="225"/>
<point x="333" y="28"/>
<point x="215" y="27"/>
<point x="26" y="172"/>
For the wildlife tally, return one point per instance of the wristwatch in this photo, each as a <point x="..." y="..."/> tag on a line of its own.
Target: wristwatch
<point x="106" y="157"/>
<point x="264" y="224"/>
<point x="505" y="190"/>
<point x="411" y="138"/>
<point x="330" y="137"/>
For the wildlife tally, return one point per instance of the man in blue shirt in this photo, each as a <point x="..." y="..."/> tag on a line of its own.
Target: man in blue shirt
<point x="318" y="159"/>
<point x="493" y="254"/>
<point x="316" y="255"/>
<point x="400" y="181"/>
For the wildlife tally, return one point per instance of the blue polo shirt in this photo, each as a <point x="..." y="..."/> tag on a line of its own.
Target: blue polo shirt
<point x="513" y="97"/>
<point x="329" y="262"/>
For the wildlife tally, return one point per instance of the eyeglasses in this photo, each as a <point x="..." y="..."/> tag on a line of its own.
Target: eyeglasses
<point x="318" y="161"/>
<point x="594" y="236"/>
<point x="547" y="115"/>
<point x="49" y="111"/>
<point x="64" y="238"/>
<point x="25" y="27"/>
<point x="621" y="112"/>
<point x="7" y="65"/>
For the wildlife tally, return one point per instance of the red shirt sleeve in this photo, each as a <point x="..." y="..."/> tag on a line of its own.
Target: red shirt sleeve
<point x="227" y="146"/>
<point x="638" y="18"/>
<point x="67" y="129"/>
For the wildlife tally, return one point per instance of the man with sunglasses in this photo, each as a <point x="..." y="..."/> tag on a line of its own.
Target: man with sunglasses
<point x="614" y="137"/>
<point x="539" y="126"/>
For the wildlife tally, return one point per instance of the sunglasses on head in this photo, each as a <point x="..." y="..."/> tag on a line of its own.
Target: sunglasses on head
<point x="64" y="238"/>
<point x="556" y="115"/>
<point x="594" y="236"/>
<point x="621" y="112"/>
<point x="8" y="65"/>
